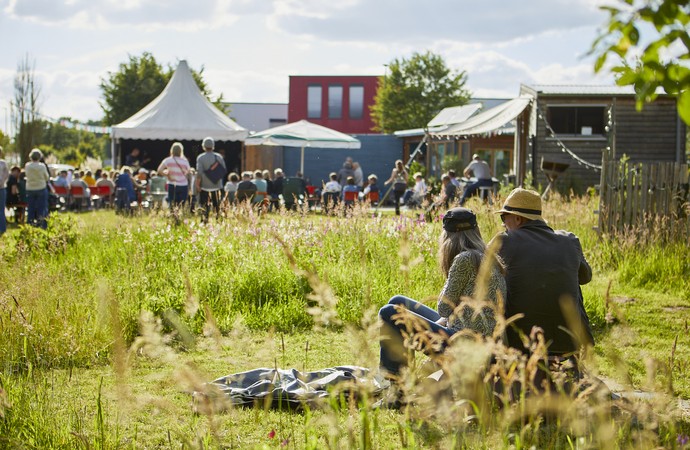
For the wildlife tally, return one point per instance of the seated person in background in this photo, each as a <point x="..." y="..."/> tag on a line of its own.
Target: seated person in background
<point x="142" y="177"/>
<point x="371" y="186"/>
<point x="278" y="180"/>
<point x="231" y="187"/>
<point x="482" y="172"/>
<point x="89" y="179"/>
<point x="448" y="191"/>
<point x="105" y="181"/>
<point x="350" y="186"/>
<point x="302" y="181"/>
<point x="454" y="180"/>
<point x="61" y="180"/>
<point x="415" y="196"/>
<point x="157" y="187"/>
<point x="245" y="188"/>
<point x="331" y="191"/>
<point x="79" y="182"/>
<point x="269" y="182"/>
<point x="124" y="186"/>
<point x="261" y="187"/>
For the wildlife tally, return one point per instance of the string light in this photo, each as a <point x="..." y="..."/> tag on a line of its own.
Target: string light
<point x="65" y="122"/>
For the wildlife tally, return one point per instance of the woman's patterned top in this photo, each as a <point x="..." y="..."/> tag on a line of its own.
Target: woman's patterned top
<point x="460" y="283"/>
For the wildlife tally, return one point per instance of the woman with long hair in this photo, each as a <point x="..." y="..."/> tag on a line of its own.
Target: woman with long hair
<point x="461" y="252"/>
<point x="399" y="179"/>
<point x="175" y="167"/>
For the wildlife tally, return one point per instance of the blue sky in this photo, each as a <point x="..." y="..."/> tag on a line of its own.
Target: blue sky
<point x="248" y="48"/>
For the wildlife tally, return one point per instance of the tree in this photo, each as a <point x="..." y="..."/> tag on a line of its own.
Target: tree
<point x="25" y="109"/>
<point x="415" y="90"/>
<point x="72" y="146"/>
<point x="136" y="84"/>
<point x="664" y="60"/>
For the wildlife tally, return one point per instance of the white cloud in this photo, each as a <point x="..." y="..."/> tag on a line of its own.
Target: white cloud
<point x="410" y="20"/>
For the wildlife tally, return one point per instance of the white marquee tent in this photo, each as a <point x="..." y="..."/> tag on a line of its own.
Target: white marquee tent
<point x="180" y="112"/>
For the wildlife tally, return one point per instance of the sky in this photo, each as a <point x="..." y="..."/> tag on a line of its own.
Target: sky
<point x="249" y="48"/>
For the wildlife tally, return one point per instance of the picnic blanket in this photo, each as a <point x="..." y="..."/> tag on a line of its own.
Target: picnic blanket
<point x="290" y="387"/>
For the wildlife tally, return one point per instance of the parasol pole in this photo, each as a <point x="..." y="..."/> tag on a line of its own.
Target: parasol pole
<point x="301" y="163"/>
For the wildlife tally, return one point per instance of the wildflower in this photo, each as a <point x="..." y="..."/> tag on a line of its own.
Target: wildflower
<point x="285" y="442"/>
<point x="272" y="434"/>
<point x="683" y="440"/>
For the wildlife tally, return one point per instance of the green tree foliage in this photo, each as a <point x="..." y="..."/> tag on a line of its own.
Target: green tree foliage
<point x="415" y="90"/>
<point x="71" y="146"/>
<point x="136" y="84"/>
<point x="663" y="62"/>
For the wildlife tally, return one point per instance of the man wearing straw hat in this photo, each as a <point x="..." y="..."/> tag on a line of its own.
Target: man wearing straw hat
<point x="544" y="271"/>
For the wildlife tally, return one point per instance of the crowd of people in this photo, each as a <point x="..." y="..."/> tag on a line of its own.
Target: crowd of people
<point x="208" y="185"/>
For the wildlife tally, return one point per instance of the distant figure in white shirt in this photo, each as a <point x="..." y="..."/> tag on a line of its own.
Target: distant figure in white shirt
<point x="415" y="196"/>
<point x="482" y="172"/>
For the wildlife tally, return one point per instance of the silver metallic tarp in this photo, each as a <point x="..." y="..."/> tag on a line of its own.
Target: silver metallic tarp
<point x="291" y="388"/>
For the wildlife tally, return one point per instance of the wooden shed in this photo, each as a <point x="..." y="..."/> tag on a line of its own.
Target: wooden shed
<point x="574" y="125"/>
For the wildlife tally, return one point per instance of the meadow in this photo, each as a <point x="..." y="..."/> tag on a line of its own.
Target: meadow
<point x="110" y="322"/>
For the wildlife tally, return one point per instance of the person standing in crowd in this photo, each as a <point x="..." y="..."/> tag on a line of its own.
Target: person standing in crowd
<point x="277" y="189"/>
<point x="4" y="176"/>
<point x="399" y="179"/>
<point x="175" y="168"/>
<point x="37" y="179"/>
<point x="345" y="172"/>
<point x="544" y="271"/>
<point x="358" y="175"/>
<point x="13" y="199"/>
<point x="482" y="172"/>
<point x="209" y="191"/>
<point x="461" y="252"/>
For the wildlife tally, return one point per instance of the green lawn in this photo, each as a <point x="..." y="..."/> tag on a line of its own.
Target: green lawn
<point x="80" y="369"/>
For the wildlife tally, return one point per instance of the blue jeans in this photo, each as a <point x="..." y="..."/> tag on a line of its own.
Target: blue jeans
<point x="177" y="195"/>
<point x="393" y="355"/>
<point x="36" y="201"/>
<point x="3" y="219"/>
<point x="471" y="188"/>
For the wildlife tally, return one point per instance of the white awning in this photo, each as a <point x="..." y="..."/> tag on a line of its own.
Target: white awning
<point x="489" y="120"/>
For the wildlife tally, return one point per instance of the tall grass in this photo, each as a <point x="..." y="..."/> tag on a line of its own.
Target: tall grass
<point x="108" y="323"/>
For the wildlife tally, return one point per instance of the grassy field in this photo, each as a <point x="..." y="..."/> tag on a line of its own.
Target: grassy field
<point x="109" y="323"/>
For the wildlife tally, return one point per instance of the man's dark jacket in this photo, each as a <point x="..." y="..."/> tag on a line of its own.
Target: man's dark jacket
<point x="543" y="269"/>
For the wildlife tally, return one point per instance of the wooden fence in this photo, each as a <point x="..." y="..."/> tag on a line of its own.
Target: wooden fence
<point x="637" y="195"/>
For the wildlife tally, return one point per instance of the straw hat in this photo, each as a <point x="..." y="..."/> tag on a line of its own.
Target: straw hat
<point x="523" y="203"/>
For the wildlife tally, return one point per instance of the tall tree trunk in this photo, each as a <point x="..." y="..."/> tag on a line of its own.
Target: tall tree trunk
<point x="25" y="108"/>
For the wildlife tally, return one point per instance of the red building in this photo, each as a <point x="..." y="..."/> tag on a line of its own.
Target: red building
<point x="338" y="102"/>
